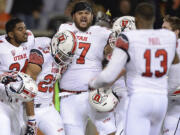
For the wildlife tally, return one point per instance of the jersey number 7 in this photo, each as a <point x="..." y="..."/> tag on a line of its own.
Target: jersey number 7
<point x="85" y="47"/>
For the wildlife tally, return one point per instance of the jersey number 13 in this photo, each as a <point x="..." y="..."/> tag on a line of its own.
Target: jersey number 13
<point x="163" y="63"/>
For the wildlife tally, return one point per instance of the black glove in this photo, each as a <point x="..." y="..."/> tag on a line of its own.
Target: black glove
<point x="8" y="77"/>
<point x="31" y="127"/>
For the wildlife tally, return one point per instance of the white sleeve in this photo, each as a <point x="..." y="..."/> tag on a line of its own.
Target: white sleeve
<point x="113" y="69"/>
<point x="174" y="77"/>
<point x="62" y="27"/>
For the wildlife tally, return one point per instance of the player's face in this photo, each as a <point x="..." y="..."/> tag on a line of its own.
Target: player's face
<point x="166" y="25"/>
<point x="19" y="33"/>
<point x="83" y="19"/>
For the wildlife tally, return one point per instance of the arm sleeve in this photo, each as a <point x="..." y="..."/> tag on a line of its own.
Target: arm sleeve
<point x="63" y="27"/>
<point x="122" y="42"/>
<point x="113" y="69"/>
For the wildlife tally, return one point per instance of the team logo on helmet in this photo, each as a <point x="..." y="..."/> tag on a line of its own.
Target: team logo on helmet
<point x="98" y="98"/>
<point x="124" y="23"/>
<point x="103" y="100"/>
<point x="62" y="38"/>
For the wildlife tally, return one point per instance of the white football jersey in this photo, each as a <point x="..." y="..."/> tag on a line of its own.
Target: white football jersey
<point x="151" y="53"/>
<point x="14" y="58"/>
<point x="88" y="56"/>
<point x="119" y="86"/>
<point x="41" y="56"/>
<point x="176" y="93"/>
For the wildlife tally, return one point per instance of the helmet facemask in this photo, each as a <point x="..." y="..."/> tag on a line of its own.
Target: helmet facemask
<point x="62" y="58"/>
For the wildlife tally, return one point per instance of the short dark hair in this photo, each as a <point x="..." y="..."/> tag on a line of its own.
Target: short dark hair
<point x="10" y="25"/>
<point x="145" y="10"/>
<point x="82" y="5"/>
<point x="173" y="21"/>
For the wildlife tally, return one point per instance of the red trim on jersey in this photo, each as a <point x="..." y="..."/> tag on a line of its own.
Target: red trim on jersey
<point x="177" y="92"/>
<point x="25" y="91"/>
<point x="33" y="95"/>
<point x="122" y="43"/>
<point x="1" y="41"/>
<point x="75" y="42"/>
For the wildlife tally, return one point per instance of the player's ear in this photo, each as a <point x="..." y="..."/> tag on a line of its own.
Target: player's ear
<point x="73" y="17"/>
<point x="136" y="21"/>
<point x="10" y="34"/>
<point x="92" y="17"/>
<point x="177" y="33"/>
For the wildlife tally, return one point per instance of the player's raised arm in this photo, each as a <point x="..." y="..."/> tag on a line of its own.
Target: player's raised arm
<point x="115" y="66"/>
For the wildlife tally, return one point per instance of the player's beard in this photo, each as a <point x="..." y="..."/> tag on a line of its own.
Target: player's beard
<point x="19" y="41"/>
<point x="82" y="28"/>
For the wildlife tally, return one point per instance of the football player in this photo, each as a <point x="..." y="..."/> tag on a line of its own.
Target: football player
<point x="122" y="24"/>
<point x="172" y="120"/>
<point x="15" y="47"/>
<point x="148" y="62"/>
<point x="75" y="108"/>
<point x="46" y="64"/>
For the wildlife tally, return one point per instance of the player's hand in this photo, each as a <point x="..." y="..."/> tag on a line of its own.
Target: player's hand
<point x="90" y="84"/>
<point x="31" y="127"/>
<point x="63" y="69"/>
<point x="8" y="77"/>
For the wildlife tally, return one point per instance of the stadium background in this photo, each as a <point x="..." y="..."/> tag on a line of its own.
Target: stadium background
<point x="43" y="17"/>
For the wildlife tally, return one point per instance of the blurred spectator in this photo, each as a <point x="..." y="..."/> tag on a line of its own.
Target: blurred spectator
<point x="117" y="7"/>
<point x="124" y="8"/>
<point x="173" y="7"/>
<point x="56" y="21"/>
<point x="29" y="11"/>
<point x="9" y="4"/>
<point x="164" y="7"/>
<point x="5" y="7"/>
<point x="51" y="9"/>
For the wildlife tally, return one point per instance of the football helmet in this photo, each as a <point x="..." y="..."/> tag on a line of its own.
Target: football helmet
<point x="103" y="99"/>
<point x="63" y="46"/>
<point x="24" y="88"/>
<point x="112" y="39"/>
<point x="124" y="24"/>
<point x="104" y="19"/>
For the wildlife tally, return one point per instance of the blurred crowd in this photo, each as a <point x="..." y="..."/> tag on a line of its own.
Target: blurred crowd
<point x="49" y="14"/>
